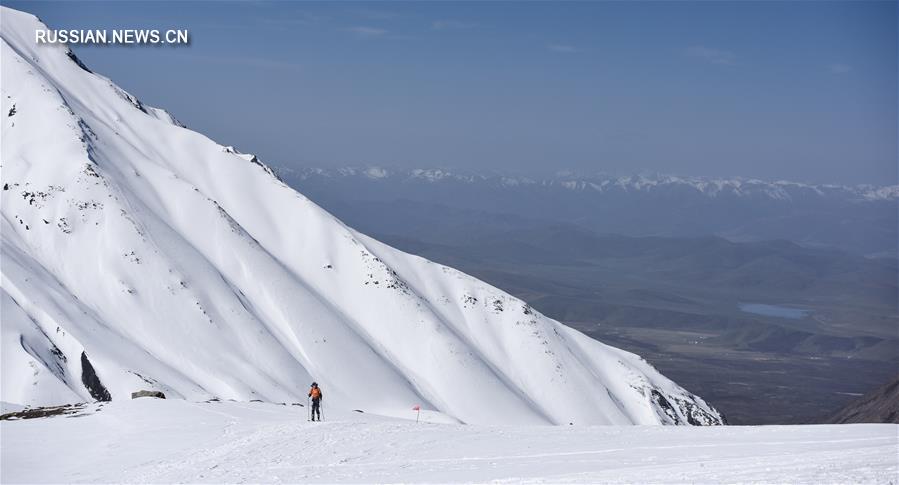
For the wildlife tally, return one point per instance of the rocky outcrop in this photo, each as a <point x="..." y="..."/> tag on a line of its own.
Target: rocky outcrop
<point x="43" y="412"/>
<point x="90" y="380"/>
<point x="156" y="394"/>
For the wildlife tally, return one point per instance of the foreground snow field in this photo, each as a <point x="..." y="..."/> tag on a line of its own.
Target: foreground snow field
<point x="149" y="440"/>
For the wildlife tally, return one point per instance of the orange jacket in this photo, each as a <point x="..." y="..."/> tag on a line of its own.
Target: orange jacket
<point x="315" y="393"/>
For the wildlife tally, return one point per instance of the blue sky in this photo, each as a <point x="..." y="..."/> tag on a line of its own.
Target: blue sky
<point x="796" y="90"/>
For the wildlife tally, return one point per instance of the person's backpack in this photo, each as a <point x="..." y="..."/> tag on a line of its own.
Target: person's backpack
<point x="315" y="393"/>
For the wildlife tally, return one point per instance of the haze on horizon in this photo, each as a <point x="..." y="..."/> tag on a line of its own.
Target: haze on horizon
<point x="799" y="91"/>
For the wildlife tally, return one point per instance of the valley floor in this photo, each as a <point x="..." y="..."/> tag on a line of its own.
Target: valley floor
<point x="160" y="441"/>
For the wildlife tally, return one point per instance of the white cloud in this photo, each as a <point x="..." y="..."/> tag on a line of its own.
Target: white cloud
<point x="715" y="56"/>
<point x="839" y="68"/>
<point x="367" y="31"/>
<point x="293" y="20"/>
<point x="562" y="48"/>
<point x="374" y="14"/>
<point x="255" y="61"/>
<point x="452" y="24"/>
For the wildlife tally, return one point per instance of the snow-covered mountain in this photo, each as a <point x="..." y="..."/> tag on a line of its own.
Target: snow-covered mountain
<point x="137" y="254"/>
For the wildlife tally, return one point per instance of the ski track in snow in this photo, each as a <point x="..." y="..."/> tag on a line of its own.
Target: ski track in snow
<point x="146" y="441"/>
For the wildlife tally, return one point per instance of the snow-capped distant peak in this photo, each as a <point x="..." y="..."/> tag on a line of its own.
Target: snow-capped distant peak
<point x="376" y="173"/>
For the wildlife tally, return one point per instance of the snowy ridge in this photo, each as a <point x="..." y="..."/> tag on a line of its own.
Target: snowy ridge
<point x="711" y="187"/>
<point x="138" y="254"/>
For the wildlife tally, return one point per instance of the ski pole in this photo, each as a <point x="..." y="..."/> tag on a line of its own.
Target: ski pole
<point x="308" y="409"/>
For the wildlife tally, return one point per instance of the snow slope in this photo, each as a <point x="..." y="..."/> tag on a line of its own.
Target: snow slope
<point x="137" y="254"/>
<point x="153" y="441"/>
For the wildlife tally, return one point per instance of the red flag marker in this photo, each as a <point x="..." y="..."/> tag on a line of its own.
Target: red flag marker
<point x="417" y="407"/>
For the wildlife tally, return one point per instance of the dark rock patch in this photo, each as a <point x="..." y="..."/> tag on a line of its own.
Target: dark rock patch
<point x="76" y="60"/>
<point x="694" y="414"/>
<point x="43" y="412"/>
<point x="90" y="380"/>
<point x="156" y="394"/>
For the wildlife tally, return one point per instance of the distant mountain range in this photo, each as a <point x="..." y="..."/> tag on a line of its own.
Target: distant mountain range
<point x="569" y="180"/>
<point x="859" y="218"/>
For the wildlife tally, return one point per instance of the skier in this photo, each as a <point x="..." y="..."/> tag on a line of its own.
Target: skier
<point x="316" y="395"/>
